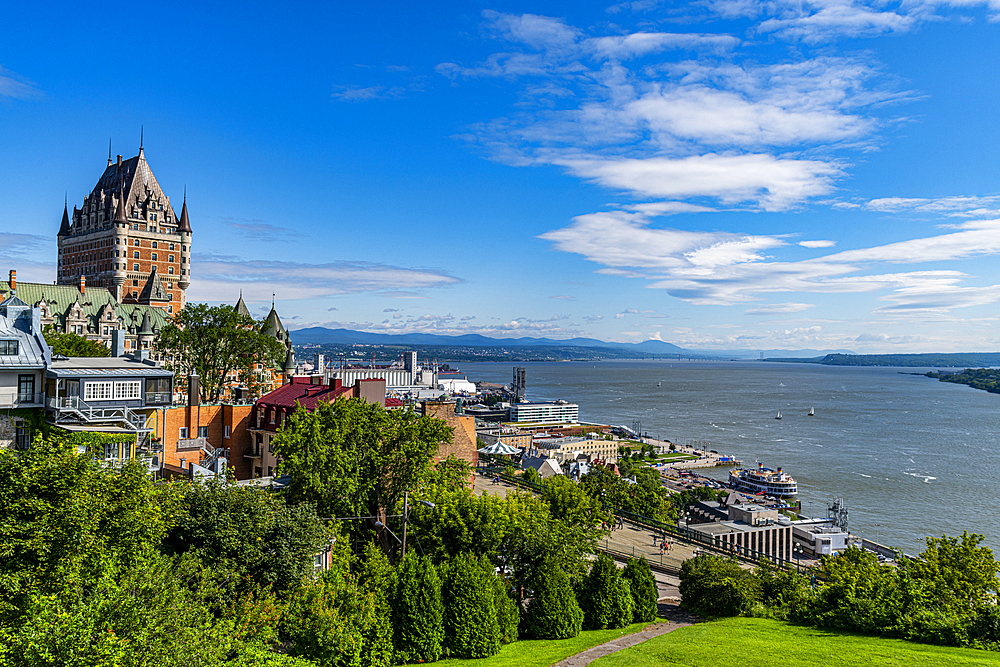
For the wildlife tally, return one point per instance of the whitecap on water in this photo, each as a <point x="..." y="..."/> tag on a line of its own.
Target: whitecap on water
<point x="927" y="478"/>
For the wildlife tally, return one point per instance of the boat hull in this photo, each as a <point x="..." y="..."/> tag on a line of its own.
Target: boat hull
<point x="749" y="482"/>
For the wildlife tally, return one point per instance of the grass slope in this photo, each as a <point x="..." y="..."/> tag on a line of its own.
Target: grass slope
<point x="543" y="652"/>
<point x="754" y="642"/>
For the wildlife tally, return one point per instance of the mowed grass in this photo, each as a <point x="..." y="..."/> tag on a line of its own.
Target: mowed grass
<point x="543" y="652"/>
<point x="754" y="642"/>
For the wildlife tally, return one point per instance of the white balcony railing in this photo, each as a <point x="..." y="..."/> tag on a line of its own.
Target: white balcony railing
<point x="15" y="399"/>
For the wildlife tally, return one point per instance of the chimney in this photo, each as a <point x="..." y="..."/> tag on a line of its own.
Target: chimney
<point x="83" y="284"/>
<point x="13" y="280"/>
<point x="119" y="160"/>
<point x="117" y="343"/>
<point x="194" y="396"/>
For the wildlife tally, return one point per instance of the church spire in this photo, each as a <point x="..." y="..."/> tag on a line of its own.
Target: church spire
<point x="109" y="151"/>
<point x="184" y="225"/>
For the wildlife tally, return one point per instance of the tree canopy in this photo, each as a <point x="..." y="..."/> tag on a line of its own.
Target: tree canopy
<point x="214" y="341"/>
<point x="72" y="345"/>
<point x="355" y="458"/>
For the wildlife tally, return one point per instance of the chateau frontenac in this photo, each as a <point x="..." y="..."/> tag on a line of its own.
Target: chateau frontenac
<point x="128" y="239"/>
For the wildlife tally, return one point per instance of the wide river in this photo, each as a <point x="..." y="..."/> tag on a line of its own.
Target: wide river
<point x="909" y="455"/>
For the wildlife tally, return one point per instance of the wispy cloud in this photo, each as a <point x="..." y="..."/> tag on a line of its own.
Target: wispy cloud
<point x="779" y="309"/>
<point x="17" y="87"/>
<point x="366" y="93"/>
<point x="219" y="277"/>
<point x="258" y="230"/>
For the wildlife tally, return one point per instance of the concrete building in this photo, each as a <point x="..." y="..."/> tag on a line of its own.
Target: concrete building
<point x="558" y="412"/>
<point x="819" y="537"/>
<point x="751" y="529"/>
<point x="545" y="466"/>
<point x="128" y="239"/>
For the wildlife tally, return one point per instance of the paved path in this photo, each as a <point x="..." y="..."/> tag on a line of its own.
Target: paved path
<point x="675" y="618"/>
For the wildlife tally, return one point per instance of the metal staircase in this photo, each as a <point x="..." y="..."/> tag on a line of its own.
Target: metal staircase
<point x="74" y="410"/>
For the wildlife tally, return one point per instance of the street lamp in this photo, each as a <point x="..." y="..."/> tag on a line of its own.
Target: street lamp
<point x="406" y="518"/>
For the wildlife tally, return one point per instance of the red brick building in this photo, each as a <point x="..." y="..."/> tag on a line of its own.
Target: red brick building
<point x="271" y="411"/>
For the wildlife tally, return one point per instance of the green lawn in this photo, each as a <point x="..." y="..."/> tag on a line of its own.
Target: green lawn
<point x="543" y="652"/>
<point x="754" y="642"/>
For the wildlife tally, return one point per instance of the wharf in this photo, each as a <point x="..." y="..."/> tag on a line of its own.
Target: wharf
<point x="706" y="458"/>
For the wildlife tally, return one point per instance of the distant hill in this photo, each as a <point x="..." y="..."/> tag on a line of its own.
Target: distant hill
<point x="324" y="336"/>
<point x="929" y="360"/>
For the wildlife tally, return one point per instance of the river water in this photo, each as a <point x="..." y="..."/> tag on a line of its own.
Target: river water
<point x="909" y="455"/>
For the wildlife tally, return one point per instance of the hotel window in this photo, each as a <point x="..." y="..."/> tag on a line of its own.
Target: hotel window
<point x="170" y="309"/>
<point x="135" y="283"/>
<point x="135" y="267"/>
<point x="154" y="256"/>
<point x="136" y="243"/>
<point x="170" y="270"/>
<point x="154" y="244"/>
<point x="170" y="258"/>
<point x="135" y="255"/>
<point x="171" y="246"/>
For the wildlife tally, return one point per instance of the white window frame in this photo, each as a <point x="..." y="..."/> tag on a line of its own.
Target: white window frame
<point x="227" y="431"/>
<point x="128" y="390"/>
<point x="98" y="391"/>
<point x="182" y="433"/>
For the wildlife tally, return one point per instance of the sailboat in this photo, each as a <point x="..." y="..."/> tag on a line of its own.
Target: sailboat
<point x="778" y="416"/>
<point x="812" y="412"/>
<point x="658" y="384"/>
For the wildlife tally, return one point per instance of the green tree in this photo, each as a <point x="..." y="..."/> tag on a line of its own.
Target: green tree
<point x="418" y="612"/>
<point x="716" y="586"/>
<point x="956" y="571"/>
<point x="331" y="623"/>
<point x="72" y="345"/>
<point x="642" y="586"/>
<point x="552" y="612"/>
<point x="508" y="611"/>
<point x="377" y="577"/>
<point x="65" y="522"/>
<point x="569" y="502"/>
<point x="470" y="614"/>
<point x="248" y="533"/>
<point x="605" y="597"/>
<point x="355" y="458"/>
<point x="214" y="341"/>
<point x="531" y="476"/>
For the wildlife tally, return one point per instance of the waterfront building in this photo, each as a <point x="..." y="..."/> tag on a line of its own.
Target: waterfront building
<point x="127" y="238"/>
<point x="557" y="412"/>
<point x="750" y="528"/>
<point x="567" y="448"/>
<point x="508" y="435"/>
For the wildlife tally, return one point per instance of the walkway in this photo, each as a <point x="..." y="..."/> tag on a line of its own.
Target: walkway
<point x="675" y="618"/>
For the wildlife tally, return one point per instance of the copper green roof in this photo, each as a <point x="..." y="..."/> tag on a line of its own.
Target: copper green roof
<point x="60" y="298"/>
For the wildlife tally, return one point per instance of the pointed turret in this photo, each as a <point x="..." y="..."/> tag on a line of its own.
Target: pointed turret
<point x="64" y="227"/>
<point x="184" y="225"/>
<point x="289" y="366"/>
<point x="146" y="328"/>
<point x="153" y="290"/>
<point x="120" y="213"/>
<point x="241" y="308"/>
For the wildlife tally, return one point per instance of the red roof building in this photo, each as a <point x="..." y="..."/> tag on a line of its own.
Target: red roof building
<point x="271" y="411"/>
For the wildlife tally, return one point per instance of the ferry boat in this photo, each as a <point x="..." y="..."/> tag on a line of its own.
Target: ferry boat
<point x="763" y="480"/>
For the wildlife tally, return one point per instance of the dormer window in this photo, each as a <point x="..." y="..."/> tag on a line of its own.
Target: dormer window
<point x="8" y="347"/>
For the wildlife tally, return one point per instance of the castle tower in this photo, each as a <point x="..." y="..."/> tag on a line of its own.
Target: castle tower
<point x="126" y="233"/>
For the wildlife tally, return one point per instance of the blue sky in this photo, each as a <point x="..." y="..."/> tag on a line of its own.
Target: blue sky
<point x="718" y="174"/>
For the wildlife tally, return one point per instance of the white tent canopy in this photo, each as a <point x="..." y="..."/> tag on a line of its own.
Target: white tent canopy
<point x="499" y="449"/>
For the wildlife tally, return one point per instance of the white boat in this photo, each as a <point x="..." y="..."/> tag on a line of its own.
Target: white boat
<point x="812" y="412"/>
<point x="778" y="416"/>
<point x="763" y="481"/>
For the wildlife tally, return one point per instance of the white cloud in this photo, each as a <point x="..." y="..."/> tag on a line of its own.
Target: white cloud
<point x="779" y="308"/>
<point x="366" y="93"/>
<point x="221" y="277"/>
<point x="817" y="244"/>
<point x="17" y="87"/>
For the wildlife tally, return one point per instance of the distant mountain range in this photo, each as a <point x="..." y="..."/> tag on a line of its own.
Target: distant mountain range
<point x="324" y="336"/>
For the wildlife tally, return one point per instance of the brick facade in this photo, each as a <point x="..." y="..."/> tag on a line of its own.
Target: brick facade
<point x="222" y="425"/>
<point x="463" y="444"/>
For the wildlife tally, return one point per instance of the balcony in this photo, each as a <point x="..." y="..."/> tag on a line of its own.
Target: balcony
<point x="159" y="398"/>
<point x="17" y="399"/>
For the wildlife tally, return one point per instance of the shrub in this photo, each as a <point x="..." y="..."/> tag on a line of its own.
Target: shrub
<point x="378" y="578"/>
<point x="470" y="614"/>
<point x="602" y="597"/>
<point x="418" y="612"/>
<point x="508" y="611"/>
<point x="331" y="622"/>
<point x="552" y="612"/>
<point x="717" y="586"/>
<point x="642" y="585"/>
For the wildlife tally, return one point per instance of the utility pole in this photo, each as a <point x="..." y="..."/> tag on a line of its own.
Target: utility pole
<point x="406" y="517"/>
